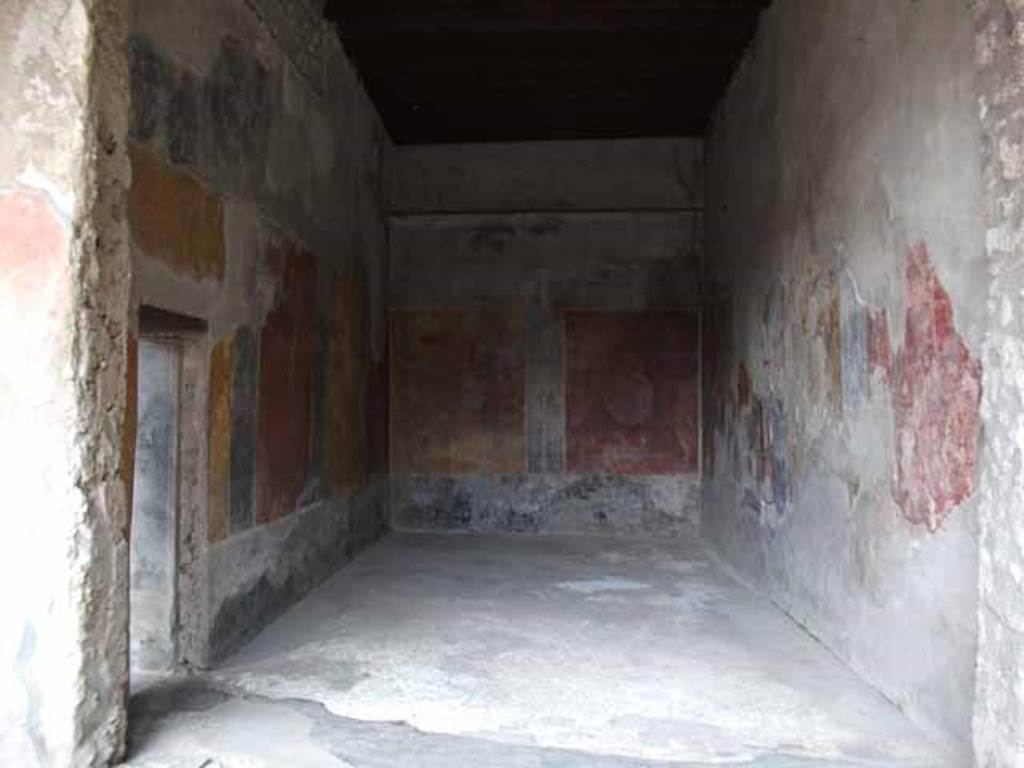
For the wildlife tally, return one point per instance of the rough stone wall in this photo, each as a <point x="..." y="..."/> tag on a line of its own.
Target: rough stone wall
<point x="544" y="335"/>
<point x="258" y="207"/>
<point x="64" y="288"/>
<point x="999" y="707"/>
<point x="843" y="362"/>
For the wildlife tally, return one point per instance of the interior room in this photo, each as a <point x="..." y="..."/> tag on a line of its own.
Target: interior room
<point x="450" y="383"/>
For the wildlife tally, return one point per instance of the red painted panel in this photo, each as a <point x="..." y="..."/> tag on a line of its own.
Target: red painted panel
<point x="937" y="397"/>
<point x="219" y="440"/>
<point x="344" y="459"/>
<point x="287" y="348"/>
<point x="458" y="388"/>
<point x="632" y="392"/>
<point x="744" y="386"/>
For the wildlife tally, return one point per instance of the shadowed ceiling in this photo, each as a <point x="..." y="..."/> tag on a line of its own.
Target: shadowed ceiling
<point x="510" y="70"/>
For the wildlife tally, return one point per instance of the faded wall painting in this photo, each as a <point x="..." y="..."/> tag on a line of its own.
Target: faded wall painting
<point x="343" y="409"/>
<point x="632" y="402"/>
<point x="287" y="351"/>
<point x="457" y="392"/>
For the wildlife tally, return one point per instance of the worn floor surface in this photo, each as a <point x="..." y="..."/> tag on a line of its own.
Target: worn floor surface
<point x="449" y="650"/>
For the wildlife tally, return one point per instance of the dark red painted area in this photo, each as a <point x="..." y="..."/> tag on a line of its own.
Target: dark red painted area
<point x="744" y="386"/>
<point x="632" y="392"/>
<point x="936" y="400"/>
<point x="457" y="393"/>
<point x="345" y="459"/>
<point x="287" y="347"/>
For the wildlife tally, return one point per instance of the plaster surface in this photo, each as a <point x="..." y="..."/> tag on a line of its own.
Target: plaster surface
<point x="65" y="428"/>
<point x="543" y="233"/>
<point x="433" y="649"/>
<point x="549" y="175"/>
<point x="843" y="368"/>
<point x="250" y="131"/>
<point x="632" y="406"/>
<point x="651" y="505"/>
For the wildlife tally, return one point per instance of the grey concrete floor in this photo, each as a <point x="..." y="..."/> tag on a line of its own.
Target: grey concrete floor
<point x="454" y="650"/>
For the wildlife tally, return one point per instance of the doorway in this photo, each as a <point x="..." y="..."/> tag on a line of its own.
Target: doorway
<point x="153" y="603"/>
<point x="167" y="453"/>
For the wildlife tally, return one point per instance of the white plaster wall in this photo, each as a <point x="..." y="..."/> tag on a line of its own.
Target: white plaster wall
<point x="848" y="136"/>
<point x="63" y="311"/>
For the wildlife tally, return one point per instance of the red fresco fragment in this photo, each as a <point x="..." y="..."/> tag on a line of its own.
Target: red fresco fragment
<point x="936" y="401"/>
<point x="879" y="343"/>
<point x="744" y="386"/>
<point x="35" y="304"/>
<point x="287" y="349"/>
<point x="33" y="261"/>
<point x="632" y="392"/>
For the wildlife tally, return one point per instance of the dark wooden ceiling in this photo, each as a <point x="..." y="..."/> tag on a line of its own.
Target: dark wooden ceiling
<point x="508" y="70"/>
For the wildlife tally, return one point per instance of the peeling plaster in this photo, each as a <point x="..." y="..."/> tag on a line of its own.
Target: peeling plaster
<point x="936" y="398"/>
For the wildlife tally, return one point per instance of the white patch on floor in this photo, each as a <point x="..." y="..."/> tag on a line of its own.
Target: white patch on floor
<point x="595" y="586"/>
